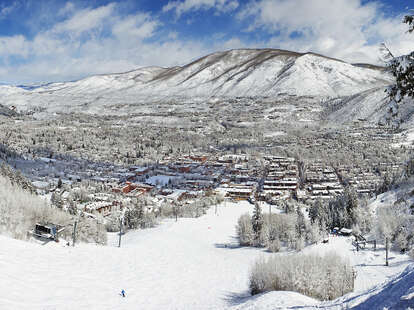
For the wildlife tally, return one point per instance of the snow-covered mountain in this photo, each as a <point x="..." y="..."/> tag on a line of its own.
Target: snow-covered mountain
<point x="252" y="73"/>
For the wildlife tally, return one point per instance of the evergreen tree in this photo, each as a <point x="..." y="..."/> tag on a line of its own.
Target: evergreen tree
<point x="351" y="205"/>
<point x="59" y="184"/>
<point x="318" y="214"/>
<point x="300" y="223"/>
<point x="134" y="215"/>
<point x="314" y="211"/>
<point x="57" y="200"/>
<point x="402" y="68"/>
<point x="257" y="222"/>
<point x="289" y="206"/>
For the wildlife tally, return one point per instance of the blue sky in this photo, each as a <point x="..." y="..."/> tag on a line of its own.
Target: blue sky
<point x="51" y="40"/>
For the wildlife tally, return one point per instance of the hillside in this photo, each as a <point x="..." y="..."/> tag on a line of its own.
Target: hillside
<point x="254" y="74"/>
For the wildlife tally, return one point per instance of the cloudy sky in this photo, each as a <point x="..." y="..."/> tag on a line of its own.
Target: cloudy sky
<point x="51" y="40"/>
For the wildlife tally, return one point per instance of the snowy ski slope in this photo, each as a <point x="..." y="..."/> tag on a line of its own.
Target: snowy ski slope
<point x="189" y="264"/>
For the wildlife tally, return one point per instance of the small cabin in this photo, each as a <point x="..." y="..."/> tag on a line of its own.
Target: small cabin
<point x="48" y="231"/>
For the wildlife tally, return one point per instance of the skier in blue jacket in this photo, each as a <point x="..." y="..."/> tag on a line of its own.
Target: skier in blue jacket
<point x="123" y="293"/>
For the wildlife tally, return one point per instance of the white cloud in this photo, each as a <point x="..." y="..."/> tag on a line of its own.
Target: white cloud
<point x="181" y="7"/>
<point x="85" y="20"/>
<point x="138" y="26"/>
<point x="92" y="41"/>
<point x="67" y="9"/>
<point x="346" y="29"/>
<point x="14" y="45"/>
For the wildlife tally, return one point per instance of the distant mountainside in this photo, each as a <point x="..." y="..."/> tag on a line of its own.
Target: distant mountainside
<point x="250" y="73"/>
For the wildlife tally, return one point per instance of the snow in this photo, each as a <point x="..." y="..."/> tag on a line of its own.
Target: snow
<point x="182" y="265"/>
<point x="275" y="300"/>
<point x="188" y="264"/>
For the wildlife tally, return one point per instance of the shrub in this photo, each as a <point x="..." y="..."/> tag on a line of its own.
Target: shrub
<point x="245" y="230"/>
<point x="87" y="230"/>
<point x="324" y="278"/>
<point x="112" y="222"/>
<point x="274" y="246"/>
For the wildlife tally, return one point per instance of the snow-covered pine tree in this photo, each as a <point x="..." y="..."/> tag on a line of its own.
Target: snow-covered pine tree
<point x="402" y="68"/>
<point x="257" y="222"/>
<point x="317" y="214"/>
<point x="300" y="223"/>
<point x="351" y="205"/>
<point x="289" y="207"/>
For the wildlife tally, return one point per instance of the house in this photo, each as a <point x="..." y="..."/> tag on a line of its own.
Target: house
<point x="188" y="195"/>
<point x="345" y="231"/>
<point x="184" y="169"/>
<point x="200" y="158"/>
<point x="239" y="193"/>
<point x="280" y="185"/>
<point x="140" y="171"/>
<point x="103" y="208"/>
<point x="129" y="187"/>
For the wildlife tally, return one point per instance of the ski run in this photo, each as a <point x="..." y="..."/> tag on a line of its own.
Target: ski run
<point x="188" y="264"/>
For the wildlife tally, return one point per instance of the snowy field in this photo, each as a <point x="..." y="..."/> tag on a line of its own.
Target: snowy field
<point x="189" y="264"/>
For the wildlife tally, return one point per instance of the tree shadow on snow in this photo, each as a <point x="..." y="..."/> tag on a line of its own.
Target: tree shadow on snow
<point x="394" y="294"/>
<point x="370" y="265"/>
<point x="227" y="246"/>
<point x="234" y="299"/>
<point x="233" y="244"/>
<point x="391" y="264"/>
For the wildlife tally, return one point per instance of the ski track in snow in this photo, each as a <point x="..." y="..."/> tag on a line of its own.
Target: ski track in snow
<point x="177" y="265"/>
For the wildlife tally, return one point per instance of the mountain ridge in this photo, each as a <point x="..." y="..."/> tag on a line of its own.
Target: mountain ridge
<point x="237" y="73"/>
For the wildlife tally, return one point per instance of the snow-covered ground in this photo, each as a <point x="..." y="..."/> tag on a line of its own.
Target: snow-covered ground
<point x="189" y="264"/>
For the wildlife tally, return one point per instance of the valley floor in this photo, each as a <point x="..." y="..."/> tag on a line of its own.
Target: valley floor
<point x="189" y="264"/>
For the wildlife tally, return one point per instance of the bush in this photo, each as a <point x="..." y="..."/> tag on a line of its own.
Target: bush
<point x="274" y="246"/>
<point x="245" y="230"/>
<point x="87" y="230"/>
<point x="324" y="278"/>
<point x="112" y="222"/>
